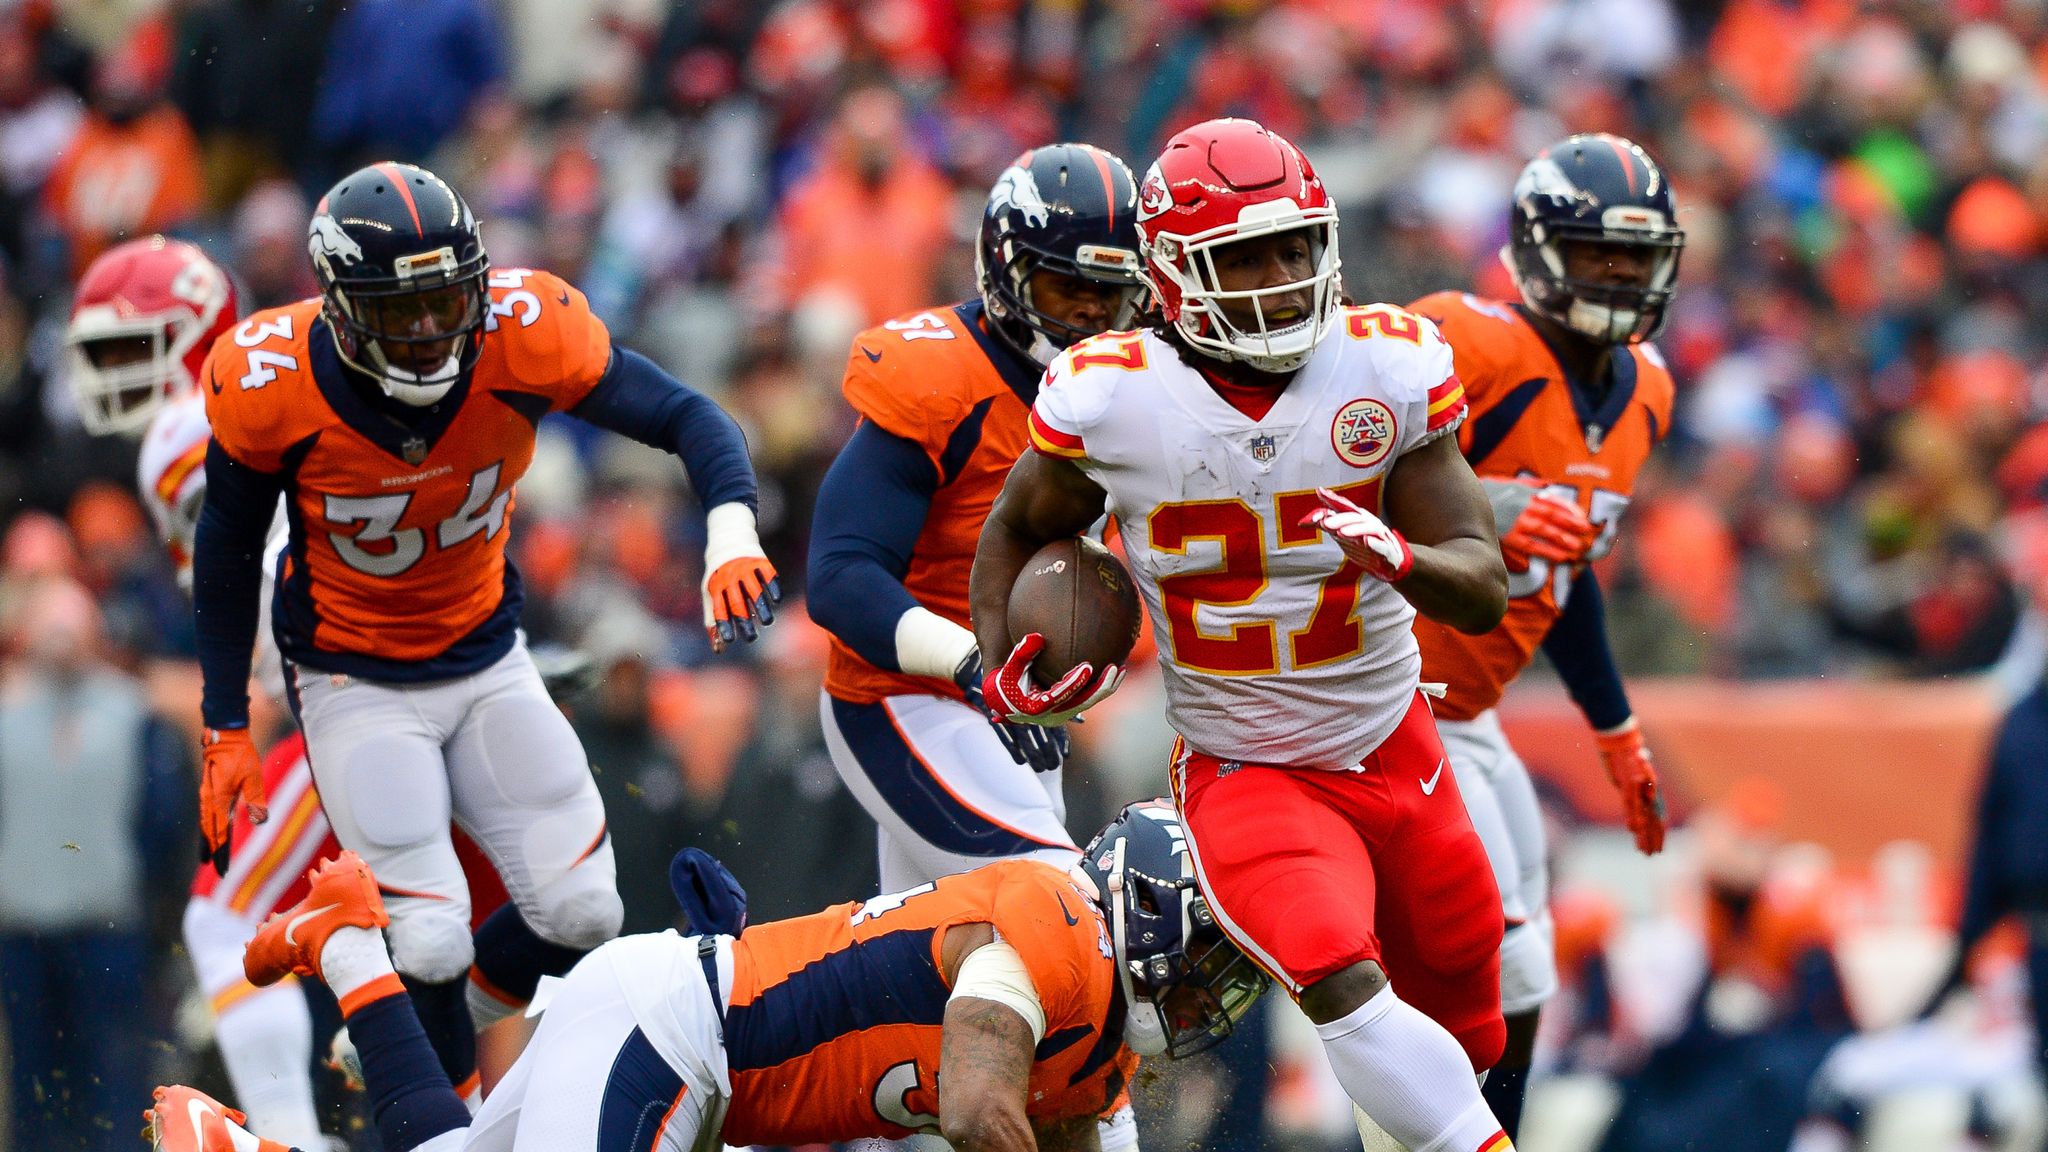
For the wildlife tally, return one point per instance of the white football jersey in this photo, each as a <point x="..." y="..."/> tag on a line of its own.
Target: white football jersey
<point x="1276" y="649"/>
<point x="171" y="476"/>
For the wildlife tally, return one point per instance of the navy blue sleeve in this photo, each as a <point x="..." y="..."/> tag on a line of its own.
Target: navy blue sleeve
<point x="1987" y="889"/>
<point x="227" y="580"/>
<point x="638" y="400"/>
<point x="1577" y="647"/>
<point x="166" y="818"/>
<point x="871" y="510"/>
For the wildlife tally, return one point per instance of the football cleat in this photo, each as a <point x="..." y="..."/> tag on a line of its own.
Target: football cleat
<point x="187" y="1120"/>
<point x="343" y="895"/>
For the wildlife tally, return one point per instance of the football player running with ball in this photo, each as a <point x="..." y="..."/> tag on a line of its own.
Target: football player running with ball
<point x="1567" y="398"/>
<point x="1285" y="473"/>
<point x="991" y="1007"/>
<point x="395" y="413"/>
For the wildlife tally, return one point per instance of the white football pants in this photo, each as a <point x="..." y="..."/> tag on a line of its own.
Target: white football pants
<point x="394" y="762"/>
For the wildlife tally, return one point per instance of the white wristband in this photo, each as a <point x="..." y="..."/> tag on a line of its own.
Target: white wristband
<point x="928" y="644"/>
<point x="728" y="535"/>
<point x="996" y="973"/>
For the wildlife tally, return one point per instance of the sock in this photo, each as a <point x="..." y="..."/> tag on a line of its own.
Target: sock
<point x="356" y="966"/>
<point x="510" y="960"/>
<point x="1408" y="1074"/>
<point x="266" y="1041"/>
<point x="410" y="1096"/>
<point x="444" y="1015"/>
<point x="1505" y="1088"/>
<point x="1118" y="1131"/>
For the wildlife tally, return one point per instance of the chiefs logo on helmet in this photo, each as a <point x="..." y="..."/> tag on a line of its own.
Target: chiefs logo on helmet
<point x="1153" y="197"/>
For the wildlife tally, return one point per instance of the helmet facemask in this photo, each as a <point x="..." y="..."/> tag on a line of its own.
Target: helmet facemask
<point x="125" y="370"/>
<point x="1601" y="310"/>
<point x="415" y="333"/>
<point x="1007" y="295"/>
<point x="1178" y="1000"/>
<point x="1189" y="264"/>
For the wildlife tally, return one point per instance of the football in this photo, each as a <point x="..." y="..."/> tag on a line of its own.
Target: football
<point x="1079" y="596"/>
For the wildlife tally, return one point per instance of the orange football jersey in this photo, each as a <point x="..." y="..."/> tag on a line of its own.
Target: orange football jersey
<point x="833" y="1029"/>
<point x="396" y="568"/>
<point x="933" y="378"/>
<point x="1525" y="421"/>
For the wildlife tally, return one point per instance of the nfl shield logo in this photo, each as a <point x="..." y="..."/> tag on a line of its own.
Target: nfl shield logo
<point x="1262" y="448"/>
<point x="414" y="450"/>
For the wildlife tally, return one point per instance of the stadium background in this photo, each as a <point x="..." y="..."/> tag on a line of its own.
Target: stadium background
<point x="1830" y="585"/>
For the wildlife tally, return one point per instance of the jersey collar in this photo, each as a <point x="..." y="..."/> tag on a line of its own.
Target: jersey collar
<point x="1021" y="374"/>
<point x="1621" y="368"/>
<point x="409" y="442"/>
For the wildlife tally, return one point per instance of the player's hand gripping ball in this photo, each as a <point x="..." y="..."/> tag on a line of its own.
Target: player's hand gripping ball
<point x="1074" y="609"/>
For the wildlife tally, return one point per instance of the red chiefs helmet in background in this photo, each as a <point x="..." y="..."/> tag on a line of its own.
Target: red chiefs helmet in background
<point x="1219" y="182"/>
<point x="143" y="318"/>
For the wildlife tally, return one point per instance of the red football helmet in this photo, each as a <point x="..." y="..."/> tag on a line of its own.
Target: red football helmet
<point x="143" y="319"/>
<point x="1219" y="182"/>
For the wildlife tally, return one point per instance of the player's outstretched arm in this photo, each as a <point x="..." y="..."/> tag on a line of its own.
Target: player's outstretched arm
<point x="638" y="400"/>
<point x="1436" y="503"/>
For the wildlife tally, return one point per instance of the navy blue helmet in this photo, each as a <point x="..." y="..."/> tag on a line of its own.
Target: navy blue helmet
<point x="1185" y="985"/>
<point x="401" y="266"/>
<point x="1066" y="208"/>
<point x="1603" y="190"/>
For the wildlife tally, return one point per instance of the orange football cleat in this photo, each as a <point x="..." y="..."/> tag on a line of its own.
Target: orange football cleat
<point x="187" y="1120"/>
<point x="343" y="895"/>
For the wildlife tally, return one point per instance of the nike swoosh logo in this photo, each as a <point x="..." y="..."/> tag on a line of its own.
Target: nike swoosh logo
<point x="1071" y="918"/>
<point x="565" y="299"/>
<point x="302" y="917"/>
<point x="1429" y="785"/>
<point x="197" y="1112"/>
<point x="873" y="357"/>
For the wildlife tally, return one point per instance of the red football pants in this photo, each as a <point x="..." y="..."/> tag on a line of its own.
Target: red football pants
<point x="1310" y="872"/>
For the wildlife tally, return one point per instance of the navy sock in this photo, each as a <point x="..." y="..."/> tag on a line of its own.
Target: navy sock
<point x="410" y="1096"/>
<point x="513" y="957"/>
<point x="443" y="1011"/>
<point x="1505" y="1088"/>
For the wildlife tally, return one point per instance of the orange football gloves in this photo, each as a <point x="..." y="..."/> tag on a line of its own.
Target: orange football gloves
<point x="740" y="588"/>
<point x="737" y="595"/>
<point x="1629" y="767"/>
<point x="1548" y="529"/>
<point x="233" y="772"/>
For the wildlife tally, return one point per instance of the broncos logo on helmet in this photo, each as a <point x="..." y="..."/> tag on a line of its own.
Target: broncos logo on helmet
<point x="1015" y="189"/>
<point x="327" y="241"/>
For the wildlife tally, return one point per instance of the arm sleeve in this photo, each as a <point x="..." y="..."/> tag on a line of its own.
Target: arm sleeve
<point x="638" y="400"/>
<point x="227" y="580"/>
<point x="1578" y="649"/>
<point x="871" y="510"/>
<point x="166" y="817"/>
<point x="1985" y="899"/>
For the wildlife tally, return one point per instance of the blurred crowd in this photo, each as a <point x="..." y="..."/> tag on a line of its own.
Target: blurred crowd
<point x="1856" y="483"/>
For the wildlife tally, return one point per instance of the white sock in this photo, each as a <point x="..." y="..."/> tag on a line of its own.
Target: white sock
<point x="1118" y="1131"/>
<point x="265" y="1040"/>
<point x="486" y="1009"/>
<point x="351" y="958"/>
<point x="1404" y="1071"/>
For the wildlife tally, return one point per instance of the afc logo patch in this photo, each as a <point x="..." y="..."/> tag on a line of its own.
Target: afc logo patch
<point x="1363" y="432"/>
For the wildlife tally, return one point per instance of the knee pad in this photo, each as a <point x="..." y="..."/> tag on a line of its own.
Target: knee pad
<point x="581" y="910"/>
<point x="1528" y="969"/>
<point x="430" y="942"/>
